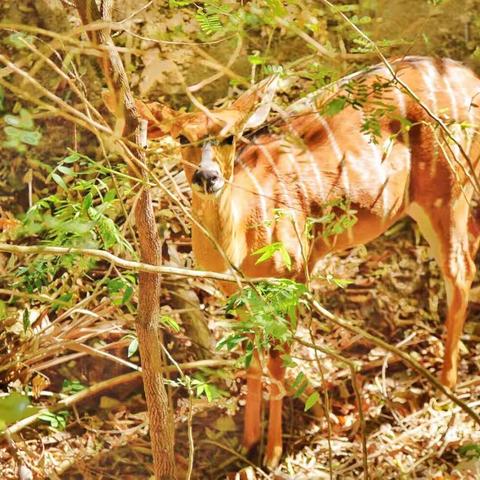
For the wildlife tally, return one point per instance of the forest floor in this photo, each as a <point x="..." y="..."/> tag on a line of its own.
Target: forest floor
<point x="410" y="430"/>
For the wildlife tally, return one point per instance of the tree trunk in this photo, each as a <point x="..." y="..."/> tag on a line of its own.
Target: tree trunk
<point x="147" y="321"/>
<point x="150" y="340"/>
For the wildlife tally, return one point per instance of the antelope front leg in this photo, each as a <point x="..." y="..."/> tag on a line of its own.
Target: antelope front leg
<point x="277" y="392"/>
<point x="253" y="407"/>
<point x="457" y="309"/>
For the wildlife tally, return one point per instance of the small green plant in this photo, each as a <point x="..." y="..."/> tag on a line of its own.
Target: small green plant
<point x="471" y="450"/>
<point x="202" y="386"/>
<point x="20" y="131"/>
<point x="338" y="217"/>
<point x="267" y="315"/>
<point x="367" y="97"/>
<point x="121" y="289"/>
<point x="80" y="216"/>
<point x="268" y="251"/>
<point x="83" y="213"/>
<point x="37" y="274"/>
<point x="57" y="420"/>
<point x="209" y="22"/>
<point x="70" y="387"/>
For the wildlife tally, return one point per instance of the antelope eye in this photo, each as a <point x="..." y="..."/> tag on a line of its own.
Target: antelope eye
<point x="228" y="140"/>
<point x="183" y="140"/>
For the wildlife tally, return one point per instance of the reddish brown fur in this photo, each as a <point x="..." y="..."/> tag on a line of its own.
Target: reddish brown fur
<point x="310" y="161"/>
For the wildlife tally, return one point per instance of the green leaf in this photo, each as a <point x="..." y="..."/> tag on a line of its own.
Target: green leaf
<point x="209" y="392"/>
<point x="56" y="420"/>
<point x="66" y="170"/>
<point x="298" y="380"/>
<point x="301" y="388"/>
<point x="72" y="158"/>
<point x="268" y="251"/>
<point x="87" y="201"/>
<point x="209" y="24"/>
<point x="170" y="323"/>
<point x="285" y="257"/>
<point x="24" y="120"/>
<point x="18" y="40"/>
<point x="62" y="301"/>
<point x="31" y="138"/>
<point x="72" y="386"/>
<point x="132" y="347"/>
<point x="311" y="401"/>
<point x="59" y="181"/>
<point x="127" y="294"/>
<point x="334" y="106"/>
<point x="26" y="320"/>
<point x="110" y="196"/>
<point x="15" y="407"/>
<point x="231" y="341"/>
<point x="471" y="450"/>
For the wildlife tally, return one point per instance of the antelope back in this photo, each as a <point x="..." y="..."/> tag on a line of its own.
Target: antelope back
<point x="367" y="150"/>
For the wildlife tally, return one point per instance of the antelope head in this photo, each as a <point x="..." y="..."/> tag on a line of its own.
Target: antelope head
<point x="208" y="139"/>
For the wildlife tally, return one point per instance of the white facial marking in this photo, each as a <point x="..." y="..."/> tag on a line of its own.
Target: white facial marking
<point x="208" y="161"/>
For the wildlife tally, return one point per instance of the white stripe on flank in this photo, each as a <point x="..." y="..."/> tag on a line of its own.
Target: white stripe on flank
<point x="379" y="174"/>
<point x="342" y="160"/>
<point x="310" y="156"/>
<point x="428" y="73"/>
<point x="294" y="163"/>
<point x="400" y="97"/>
<point x="276" y="172"/>
<point x="451" y="95"/>
<point x="289" y="207"/>
<point x="261" y="199"/>
<point x="455" y="75"/>
<point x="435" y="76"/>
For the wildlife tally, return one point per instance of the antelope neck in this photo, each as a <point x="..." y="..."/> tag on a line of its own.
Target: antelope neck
<point x="221" y="217"/>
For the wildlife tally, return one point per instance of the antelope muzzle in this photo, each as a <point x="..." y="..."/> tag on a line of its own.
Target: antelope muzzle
<point x="208" y="178"/>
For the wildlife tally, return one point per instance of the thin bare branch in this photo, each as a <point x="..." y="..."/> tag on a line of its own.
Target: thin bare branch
<point x="121" y="262"/>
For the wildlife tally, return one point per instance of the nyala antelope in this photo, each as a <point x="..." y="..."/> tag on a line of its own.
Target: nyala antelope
<point x="309" y="157"/>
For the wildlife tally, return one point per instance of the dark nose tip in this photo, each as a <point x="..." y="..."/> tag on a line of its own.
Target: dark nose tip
<point x="205" y="177"/>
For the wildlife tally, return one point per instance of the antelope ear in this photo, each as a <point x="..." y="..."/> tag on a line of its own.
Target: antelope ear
<point x="159" y="116"/>
<point x="257" y="102"/>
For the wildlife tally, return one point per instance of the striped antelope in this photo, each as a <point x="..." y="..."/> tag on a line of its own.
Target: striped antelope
<point x="310" y="157"/>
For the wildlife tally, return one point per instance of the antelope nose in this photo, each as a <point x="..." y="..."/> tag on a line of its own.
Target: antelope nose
<point x="210" y="181"/>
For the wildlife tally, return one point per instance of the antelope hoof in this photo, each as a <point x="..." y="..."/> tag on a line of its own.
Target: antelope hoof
<point x="272" y="457"/>
<point x="251" y="438"/>
<point x="448" y="377"/>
